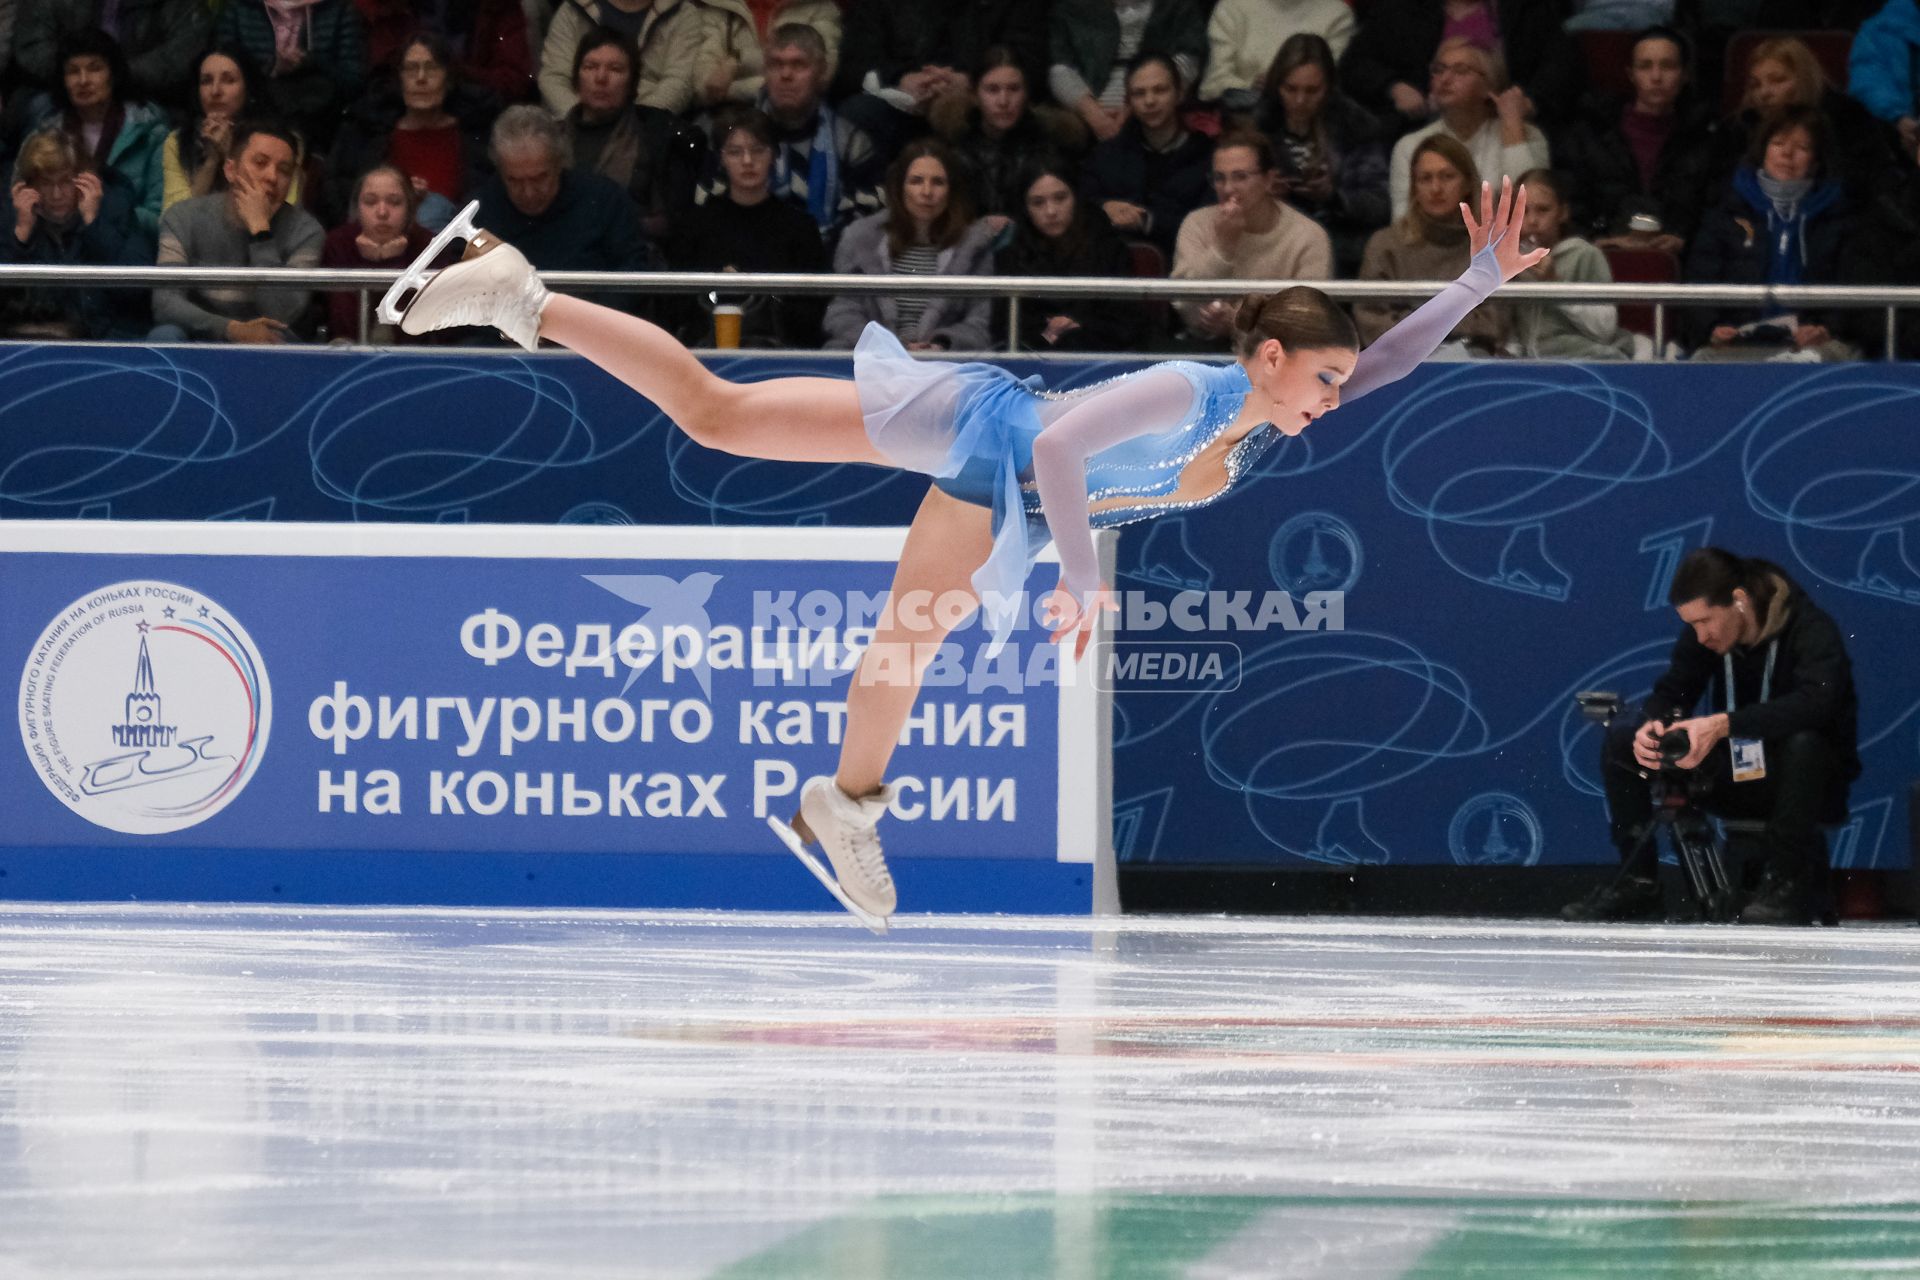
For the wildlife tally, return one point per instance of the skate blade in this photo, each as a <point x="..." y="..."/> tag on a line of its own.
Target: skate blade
<point x="791" y="838"/>
<point x="415" y="277"/>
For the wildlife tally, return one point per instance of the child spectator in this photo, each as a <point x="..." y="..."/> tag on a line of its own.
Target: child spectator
<point x="380" y="232"/>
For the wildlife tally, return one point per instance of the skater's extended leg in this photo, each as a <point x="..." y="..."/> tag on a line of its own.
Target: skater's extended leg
<point x="786" y="419"/>
<point x="948" y="541"/>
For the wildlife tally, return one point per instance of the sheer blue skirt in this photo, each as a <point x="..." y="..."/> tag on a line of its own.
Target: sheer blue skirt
<point x="971" y="427"/>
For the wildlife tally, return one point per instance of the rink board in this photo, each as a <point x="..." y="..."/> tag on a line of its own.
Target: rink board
<point x="476" y="714"/>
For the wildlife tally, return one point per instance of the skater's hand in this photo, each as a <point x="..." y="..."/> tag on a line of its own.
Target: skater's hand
<point x="1646" y="744"/>
<point x="1499" y="225"/>
<point x="1703" y="732"/>
<point x="1074" y="614"/>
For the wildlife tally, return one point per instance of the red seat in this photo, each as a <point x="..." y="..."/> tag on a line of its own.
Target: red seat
<point x="1830" y="48"/>
<point x="1607" y="55"/>
<point x="1642" y="266"/>
<point x="1149" y="263"/>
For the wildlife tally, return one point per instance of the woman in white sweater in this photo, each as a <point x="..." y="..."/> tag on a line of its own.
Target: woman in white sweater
<point x="1243" y="36"/>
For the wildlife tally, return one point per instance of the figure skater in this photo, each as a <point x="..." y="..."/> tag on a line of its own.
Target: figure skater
<point x="1012" y="465"/>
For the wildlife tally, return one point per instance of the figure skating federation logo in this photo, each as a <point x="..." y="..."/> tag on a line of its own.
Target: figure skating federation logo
<point x="145" y="707"/>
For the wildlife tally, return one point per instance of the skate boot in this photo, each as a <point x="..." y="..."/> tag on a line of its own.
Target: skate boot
<point x="844" y="828"/>
<point x="492" y="284"/>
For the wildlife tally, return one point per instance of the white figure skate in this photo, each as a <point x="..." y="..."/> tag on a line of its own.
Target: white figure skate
<point x="492" y="284"/>
<point x="844" y="829"/>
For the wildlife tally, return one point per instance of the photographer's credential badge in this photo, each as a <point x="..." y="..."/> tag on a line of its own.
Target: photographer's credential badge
<point x="144" y="707"/>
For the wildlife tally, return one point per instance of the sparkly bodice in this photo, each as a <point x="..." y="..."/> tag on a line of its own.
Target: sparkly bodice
<point x="1135" y="479"/>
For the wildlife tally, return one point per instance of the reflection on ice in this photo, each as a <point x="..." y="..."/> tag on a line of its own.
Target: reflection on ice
<point x="211" y="1091"/>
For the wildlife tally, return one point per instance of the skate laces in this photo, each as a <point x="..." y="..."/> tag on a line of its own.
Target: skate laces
<point x="864" y="844"/>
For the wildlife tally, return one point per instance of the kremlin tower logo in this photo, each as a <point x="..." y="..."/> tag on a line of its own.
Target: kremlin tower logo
<point x="145" y="707"/>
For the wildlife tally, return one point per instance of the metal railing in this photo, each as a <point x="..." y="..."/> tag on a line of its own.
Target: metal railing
<point x="369" y="283"/>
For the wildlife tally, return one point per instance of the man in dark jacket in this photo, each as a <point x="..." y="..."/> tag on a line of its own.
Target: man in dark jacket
<point x="899" y="56"/>
<point x="1782" y="746"/>
<point x="562" y="219"/>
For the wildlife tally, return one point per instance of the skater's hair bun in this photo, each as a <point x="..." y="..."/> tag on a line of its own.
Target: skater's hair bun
<point x="1300" y="318"/>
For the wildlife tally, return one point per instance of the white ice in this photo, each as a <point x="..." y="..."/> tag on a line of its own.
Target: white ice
<point x="214" y="1091"/>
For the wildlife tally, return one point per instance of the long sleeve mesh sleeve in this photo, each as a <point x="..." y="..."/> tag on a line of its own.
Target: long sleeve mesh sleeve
<point x="1151" y="402"/>
<point x="1401" y="349"/>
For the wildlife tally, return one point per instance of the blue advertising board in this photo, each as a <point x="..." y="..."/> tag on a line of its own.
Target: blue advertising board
<point x="634" y="702"/>
<point x="1500" y="535"/>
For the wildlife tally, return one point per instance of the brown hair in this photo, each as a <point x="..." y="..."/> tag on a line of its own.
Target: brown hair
<point x="1799" y="62"/>
<point x="950" y="225"/>
<point x="1300" y="318"/>
<point x="407" y="193"/>
<point x="1714" y="573"/>
<point x="1812" y="120"/>
<point x="1253" y="140"/>
<point x="1413" y="223"/>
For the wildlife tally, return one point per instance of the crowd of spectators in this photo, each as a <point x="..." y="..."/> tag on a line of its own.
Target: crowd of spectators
<point x="1719" y="141"/>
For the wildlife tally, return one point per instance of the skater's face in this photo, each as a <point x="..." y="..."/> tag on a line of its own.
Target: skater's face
<point x="423" y="80"/>
<point x="1152" y="96"/>
<point x="531" y="177"/>
<point x="223" y="91"/>
<point x="1003" y="99"/>
<point x="794" y="80"/>
<point x="89" y="81"/>
<point x="605" y="81"/>
<point x="1718" y="626"/>
<point x="1299" y="385"/>
<point x="1657" y="74"/>
<point x="926" y="190"/>
<point x="1050" y="206"/>
<point x="382" y="206"/>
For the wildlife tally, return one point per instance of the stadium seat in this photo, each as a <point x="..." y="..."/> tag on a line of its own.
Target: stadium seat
<point x="1642" y="266"/>
<point x="1606" y="55"/>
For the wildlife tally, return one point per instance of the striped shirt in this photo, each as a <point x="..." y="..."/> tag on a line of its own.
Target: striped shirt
<point x="920" y="260"/>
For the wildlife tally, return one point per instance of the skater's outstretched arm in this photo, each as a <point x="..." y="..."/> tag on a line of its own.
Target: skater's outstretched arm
<point x="1497" y="258"/>
<point x="1152" y="401"/>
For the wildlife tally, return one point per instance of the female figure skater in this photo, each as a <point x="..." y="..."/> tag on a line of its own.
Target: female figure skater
<point x="1011" y="465"/>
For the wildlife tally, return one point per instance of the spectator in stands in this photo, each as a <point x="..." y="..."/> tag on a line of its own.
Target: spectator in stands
<point x="158" y="39"/>
<point x="250" y="224"/>
<point x="1881" y="69"/>
<point x="823" y="162"/>
<point x="1094" y="42"/>
<point x="1329" y="152"/>
<point x="1399" y="40"/>
<point x="645" y="151"/>
<point x="1564" y="330"/>
<point x="1883" y="249"/>
<point x="1620" y="15"/>
<point x="1246" y="235"/>
<point x="668" y="34"/>
<point x="1781" y="73"/>
<point x="1429" y="242"/>
<point x="61" y="211"/>
<point x="1782" y="223"/>
<point x="732" y="57"/>
<point x="314" y="55"/>
<point x="1647" y="156"/>
<point x="561" y="218"/>
<point x="115" y="134"/>
<point x="380" y="231"/>
<point x="1480" y="110"/>
<point x="1246" y="35"/>
<point x="427" y="124"/>
<point x="193" y="159"/>
<point x="1155" y="171"/>
<point x="902" y="56"/>
<point x="996" y="136"/>
<point x="927" y="228"/>
<point x="1058" y="234"/>
<point x="749" y="229"/>
<point x="489" y="47"/>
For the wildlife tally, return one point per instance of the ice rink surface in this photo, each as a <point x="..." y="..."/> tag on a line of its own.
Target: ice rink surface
<point x="238" y="1092"/>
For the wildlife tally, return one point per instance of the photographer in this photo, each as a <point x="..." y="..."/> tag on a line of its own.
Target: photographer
<point x="1782" y="746"/>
